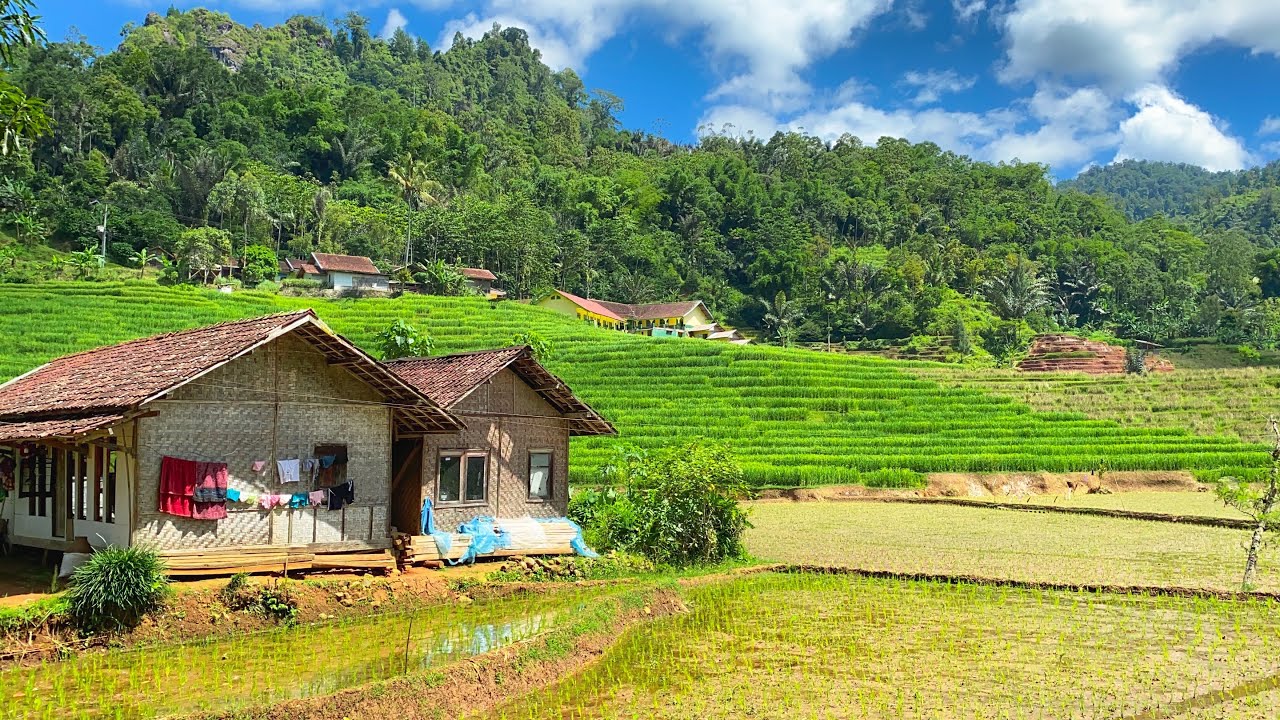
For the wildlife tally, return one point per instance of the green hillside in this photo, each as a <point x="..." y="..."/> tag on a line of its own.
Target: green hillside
<point x="793" y="416"/>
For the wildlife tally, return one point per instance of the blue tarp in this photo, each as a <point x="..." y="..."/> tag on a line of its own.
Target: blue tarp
<point x="444" y="541"/>
<point x="484" y="539"/>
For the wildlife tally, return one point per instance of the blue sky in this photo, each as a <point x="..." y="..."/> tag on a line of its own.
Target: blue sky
<point x="1066" y="83"/>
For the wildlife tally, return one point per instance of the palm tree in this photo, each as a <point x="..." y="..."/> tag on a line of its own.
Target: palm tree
<point x="142" y="258"/>
<point x="781" y="318"/>
<point x="1019" y="292"/>
<point x="417" y="187"/>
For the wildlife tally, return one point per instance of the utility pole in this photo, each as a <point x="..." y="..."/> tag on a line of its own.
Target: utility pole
<point x="102" y="233"/>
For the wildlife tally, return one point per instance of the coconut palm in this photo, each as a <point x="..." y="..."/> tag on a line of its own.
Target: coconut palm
<point x="1019" y="292"/>
<point x="782" y="318"/>
<point x="417" y="188"/>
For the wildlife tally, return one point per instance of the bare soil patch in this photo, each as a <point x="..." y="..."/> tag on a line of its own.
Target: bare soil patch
<point x="1011" y="485"/>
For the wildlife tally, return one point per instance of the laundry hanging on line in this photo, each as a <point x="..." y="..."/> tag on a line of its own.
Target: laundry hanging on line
<point x="192" y="489"/>
<point x="342" y="495"/>
<point x="289" y="470"/>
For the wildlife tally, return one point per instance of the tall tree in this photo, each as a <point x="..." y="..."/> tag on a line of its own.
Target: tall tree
<point x="417" y="188"/>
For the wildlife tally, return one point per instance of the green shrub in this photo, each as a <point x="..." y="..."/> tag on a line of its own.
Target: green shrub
<point x="679" y="507"/>
<point x="1248" y="353"/>
<point x="301" y="284"/>
<point x="267" y="286"/>
<point x="403" y="340"/>
<point x="115" y="588"/>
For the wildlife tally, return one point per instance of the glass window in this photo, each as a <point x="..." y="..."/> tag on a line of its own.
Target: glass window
<point x="475" y="478"/>
<point x="450" y="478"/>
<point x="539" y="475"/>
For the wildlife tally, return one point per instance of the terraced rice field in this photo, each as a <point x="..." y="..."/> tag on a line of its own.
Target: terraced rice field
<point x="805" y="646"/>
<point x="1227" y="401"/>
<point x="793" y="417"/>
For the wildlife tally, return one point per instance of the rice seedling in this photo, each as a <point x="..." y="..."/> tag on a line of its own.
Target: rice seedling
<point x="229" y="673"/>
<point x="787" y="646"/>
<point x="1033" y="547"/>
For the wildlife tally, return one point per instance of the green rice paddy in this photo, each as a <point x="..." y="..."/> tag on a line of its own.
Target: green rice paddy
<point x="813" y="646"/>
<point x="793" y="417"/>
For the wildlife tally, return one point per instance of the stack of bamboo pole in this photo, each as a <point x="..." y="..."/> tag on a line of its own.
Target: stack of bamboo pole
<point x="228" y="561"/>
<point x="270" y="559"/>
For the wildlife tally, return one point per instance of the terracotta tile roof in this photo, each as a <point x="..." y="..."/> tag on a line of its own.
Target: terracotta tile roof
<point x="345" y="263"/>
<point x="592" y="306"/>
<point x="477" y="274"/>
<point x="628" y="311"/>
<point x="65" y="428"/>
<point x="119" y="378"/>
<point x="448" y="379"/>
<point x="305" y="266"/>
<point x="655" y="311"/>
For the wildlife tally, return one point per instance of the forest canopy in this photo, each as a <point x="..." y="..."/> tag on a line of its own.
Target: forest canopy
<point x="202" y="138"/>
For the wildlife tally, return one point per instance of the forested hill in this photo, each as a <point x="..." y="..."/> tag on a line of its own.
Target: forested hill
<point x="201" y="136"/>
<point x="1246" y="200"/>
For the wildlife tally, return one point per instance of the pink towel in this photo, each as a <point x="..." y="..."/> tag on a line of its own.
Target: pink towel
<point x="259" y="465"/>
<point x="318" y="497"/>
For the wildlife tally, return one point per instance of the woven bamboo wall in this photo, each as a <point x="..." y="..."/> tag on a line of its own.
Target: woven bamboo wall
<point x="508" y="441"/>
<point x="231" y="416"/>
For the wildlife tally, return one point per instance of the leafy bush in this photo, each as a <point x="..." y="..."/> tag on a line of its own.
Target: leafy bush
<point x="260" y="263"/>
<point x="679" y="506"/>
<point x="541" y="347"/>
<point x="1248" y="353"/>
<point x="267" y="286"/>
<point x="403" y="340"/>
<point x="301" y="284"/>
<point x="116" y="587"/>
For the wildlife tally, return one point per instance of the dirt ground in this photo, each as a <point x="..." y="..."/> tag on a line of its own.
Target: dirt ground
<point x="24" y="576"/>
<point x="1018" y="485"/>
<point x="195" y="609"/>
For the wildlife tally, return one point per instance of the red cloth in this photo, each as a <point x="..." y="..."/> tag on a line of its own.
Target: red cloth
<point x="211" y="483"/>
<point x="177" y="483"/>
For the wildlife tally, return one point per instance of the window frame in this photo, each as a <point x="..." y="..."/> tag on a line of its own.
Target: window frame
<point x="551" y="476"/>
<point x="465" y="458"/>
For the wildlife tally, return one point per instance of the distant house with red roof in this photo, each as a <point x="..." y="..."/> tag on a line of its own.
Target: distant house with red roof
<point x="337" y="272"/>
<point x="686" y="318"/>
<point x="482" y="281"/>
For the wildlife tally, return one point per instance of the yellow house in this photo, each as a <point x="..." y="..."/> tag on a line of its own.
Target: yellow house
<point x="689" y="318"/>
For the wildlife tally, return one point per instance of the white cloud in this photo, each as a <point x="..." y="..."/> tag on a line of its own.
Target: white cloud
<point x="1270" y="126"/>
<point x="967" y="10"/>
<point x="933" y="84"/>
<point x="1126" y="44"/>
<point x="761" y="46"/>
<point x="395" y="21"/>
<point x="1060" y="127"/>
<point x="1166" y="127"/>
